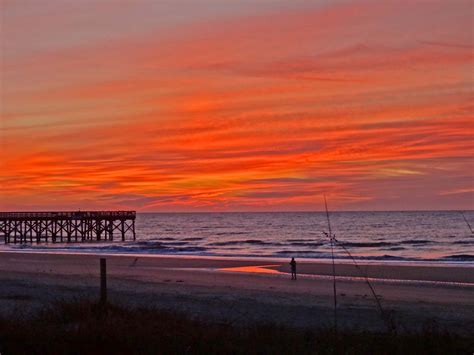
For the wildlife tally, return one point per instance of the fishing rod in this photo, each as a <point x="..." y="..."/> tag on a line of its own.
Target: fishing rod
<point x="388" y="321"/>
<point x="331" y="239"/>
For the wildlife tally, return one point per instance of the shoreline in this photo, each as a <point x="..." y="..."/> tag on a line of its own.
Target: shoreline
<point x="452" y="274"/>
<point x="360" y="261"/>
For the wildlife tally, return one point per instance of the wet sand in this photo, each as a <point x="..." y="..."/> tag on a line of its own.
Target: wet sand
<point x="246" y="291"/>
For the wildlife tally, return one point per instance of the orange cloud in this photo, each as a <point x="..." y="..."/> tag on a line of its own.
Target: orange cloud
<point x="253" y="112"/>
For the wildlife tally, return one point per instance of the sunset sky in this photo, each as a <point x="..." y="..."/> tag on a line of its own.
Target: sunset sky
<point x="226" y="105"/>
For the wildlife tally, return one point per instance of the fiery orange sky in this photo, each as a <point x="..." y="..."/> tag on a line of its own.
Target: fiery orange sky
<point x="231" y="105"/>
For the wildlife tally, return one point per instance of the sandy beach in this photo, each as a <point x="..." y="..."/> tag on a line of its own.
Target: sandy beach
<point x="246" y="291"/>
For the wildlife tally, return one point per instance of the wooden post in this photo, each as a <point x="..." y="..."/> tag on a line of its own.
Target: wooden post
<point x="133" y="226"/>
<point x="98" y="229"/>
<point x="68" y="225"/>
<point x="53" y="230"/>
<point x="103" y="281"/>
<point x="20" y="231"/>
<point x="45" y="225"/>
<point x="111" y="230"/>
<point x="61" y="230"/>
<point x="83" y="230"/>
<point x="14" y="235"/>
<point x="7" y="231"/>
<point x="74" y="224"/>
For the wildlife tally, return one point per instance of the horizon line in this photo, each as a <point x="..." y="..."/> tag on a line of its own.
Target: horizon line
<point x="313" y="211"/>
<point x="289" y="211"/>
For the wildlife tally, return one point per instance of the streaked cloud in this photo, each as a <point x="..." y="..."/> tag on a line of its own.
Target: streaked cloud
<point x="155" y="106"/>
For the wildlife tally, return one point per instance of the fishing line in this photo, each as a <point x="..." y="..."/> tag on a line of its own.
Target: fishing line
<point x="465" y="220"/>
<point x="364" y="274"/>
<point x="331" y="239"/>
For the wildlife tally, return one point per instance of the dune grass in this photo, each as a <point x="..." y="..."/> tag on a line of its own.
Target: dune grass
<point x="83" y="327"/>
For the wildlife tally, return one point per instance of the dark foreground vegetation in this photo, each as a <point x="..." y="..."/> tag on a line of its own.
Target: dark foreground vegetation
<point x="85" y="328"/>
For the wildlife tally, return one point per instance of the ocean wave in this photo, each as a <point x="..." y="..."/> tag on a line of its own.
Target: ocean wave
<point x="460" y="257"/>
<point x="320" y="255"/>
<point x="386" y="244"/>
<point x="384" y="257"/>
<point x="301" y="253"/>
<point x="241" y="242"/>
<point x="161" y="249"/>
<point x="415" y="241"/>
<point x="149" y="245"/>
<point x="157" y="248"/>
<point x="464" y="242"/>
<point x="140" y="247"/>
<point x="188" y="249"/>
<point x="230" y="233"/>
<point x="368" y="244"/>
<point x="308" y="244"/>
<point x="202" y="228"/>
<point x="176" y="242"/>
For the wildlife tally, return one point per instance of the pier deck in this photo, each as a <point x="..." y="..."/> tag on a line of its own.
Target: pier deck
<point x="69" y="226"/>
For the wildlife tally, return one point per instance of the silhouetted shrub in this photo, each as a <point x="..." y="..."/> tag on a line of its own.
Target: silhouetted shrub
<point x="82" y="327"/>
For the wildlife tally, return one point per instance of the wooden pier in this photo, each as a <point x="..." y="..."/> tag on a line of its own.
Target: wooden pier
<point x="69" y="227"/>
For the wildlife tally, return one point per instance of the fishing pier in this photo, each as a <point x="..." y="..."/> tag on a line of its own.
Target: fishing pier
<point x="67" y="227"/>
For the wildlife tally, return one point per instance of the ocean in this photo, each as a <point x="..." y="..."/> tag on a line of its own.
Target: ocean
<point x="440" y="236"/>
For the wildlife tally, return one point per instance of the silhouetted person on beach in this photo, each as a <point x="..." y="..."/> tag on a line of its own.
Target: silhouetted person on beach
<point x="293" y="268"/>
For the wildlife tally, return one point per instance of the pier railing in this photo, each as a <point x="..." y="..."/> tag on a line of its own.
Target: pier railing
<point x="67" y="215"/>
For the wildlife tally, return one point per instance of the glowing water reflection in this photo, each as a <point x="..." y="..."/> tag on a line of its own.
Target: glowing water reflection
<point x="261" y="269"/>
